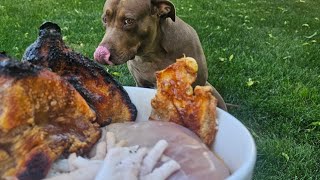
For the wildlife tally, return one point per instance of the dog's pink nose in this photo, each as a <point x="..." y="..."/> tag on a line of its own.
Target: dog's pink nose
<point x="102" y="55"/>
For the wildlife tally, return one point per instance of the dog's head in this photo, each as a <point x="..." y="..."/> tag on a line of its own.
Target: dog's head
<point x="131" y="28"/>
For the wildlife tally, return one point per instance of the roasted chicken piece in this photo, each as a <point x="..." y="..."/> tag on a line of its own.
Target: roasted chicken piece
<point x="3" y="56"/>
<point x="177" y="102"/>
<point x="104" y="95"/>
<point x="42" y="117"/>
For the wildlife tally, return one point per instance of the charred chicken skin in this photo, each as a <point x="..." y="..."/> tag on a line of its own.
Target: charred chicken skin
<point x="53" y="104"/>
<point x="3" y="56"/>
<point x="103" y="94"/>
<point x="176" y="101"/>
<point x="42" y="117"/>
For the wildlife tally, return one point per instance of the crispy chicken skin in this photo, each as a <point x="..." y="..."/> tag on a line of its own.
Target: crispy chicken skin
<point x="177" y="102"/>
<point x="104" y="95"/>
<point x="41" y="117"/>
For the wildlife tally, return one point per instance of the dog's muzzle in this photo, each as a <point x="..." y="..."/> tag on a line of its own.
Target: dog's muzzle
<point x="102" y="55"/>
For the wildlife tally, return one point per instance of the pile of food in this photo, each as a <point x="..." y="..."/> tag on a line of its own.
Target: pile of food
<point x="53" y="104"/>
<point x="62" y="116"/>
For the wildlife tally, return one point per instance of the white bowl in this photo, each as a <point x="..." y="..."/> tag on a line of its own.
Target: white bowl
<point x="234" y="143"/>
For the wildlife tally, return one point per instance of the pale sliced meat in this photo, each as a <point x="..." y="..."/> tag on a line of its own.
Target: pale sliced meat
<point x="195" y="159"/>
<point x="119" y="163"/>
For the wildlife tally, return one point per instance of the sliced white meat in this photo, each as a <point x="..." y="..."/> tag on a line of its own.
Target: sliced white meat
<point x="134" y="162"/>
<point x="196" y="160"/>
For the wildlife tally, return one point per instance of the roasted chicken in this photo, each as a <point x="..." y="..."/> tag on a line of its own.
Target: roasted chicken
<point x="177" y="102"/>
<point x="53" y="104"/>
<point x="42" y="117"/>
<point x="103" y="94"/>
<point x="3" y="56"/>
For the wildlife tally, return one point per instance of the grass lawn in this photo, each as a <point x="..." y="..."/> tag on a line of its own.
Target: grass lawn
<point x="262" y="55"/>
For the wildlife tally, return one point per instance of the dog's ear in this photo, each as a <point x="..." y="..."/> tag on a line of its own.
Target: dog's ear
<point x="164" y="9"/>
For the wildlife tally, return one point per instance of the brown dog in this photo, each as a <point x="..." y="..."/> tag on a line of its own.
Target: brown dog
<point x="148" y="36"/>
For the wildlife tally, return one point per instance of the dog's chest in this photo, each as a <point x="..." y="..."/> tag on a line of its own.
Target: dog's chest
<point x="150" y="65"/>
<point x="146" y="68"/>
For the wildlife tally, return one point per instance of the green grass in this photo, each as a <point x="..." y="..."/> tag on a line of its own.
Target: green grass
<point x="262" y="55"/>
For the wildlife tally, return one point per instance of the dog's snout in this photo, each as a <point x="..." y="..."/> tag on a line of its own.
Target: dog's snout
<point x="102" y="55"/>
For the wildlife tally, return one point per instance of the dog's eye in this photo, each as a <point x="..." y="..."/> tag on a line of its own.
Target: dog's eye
<point x="128" y="21"/>
<point x="104" y="19"/>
